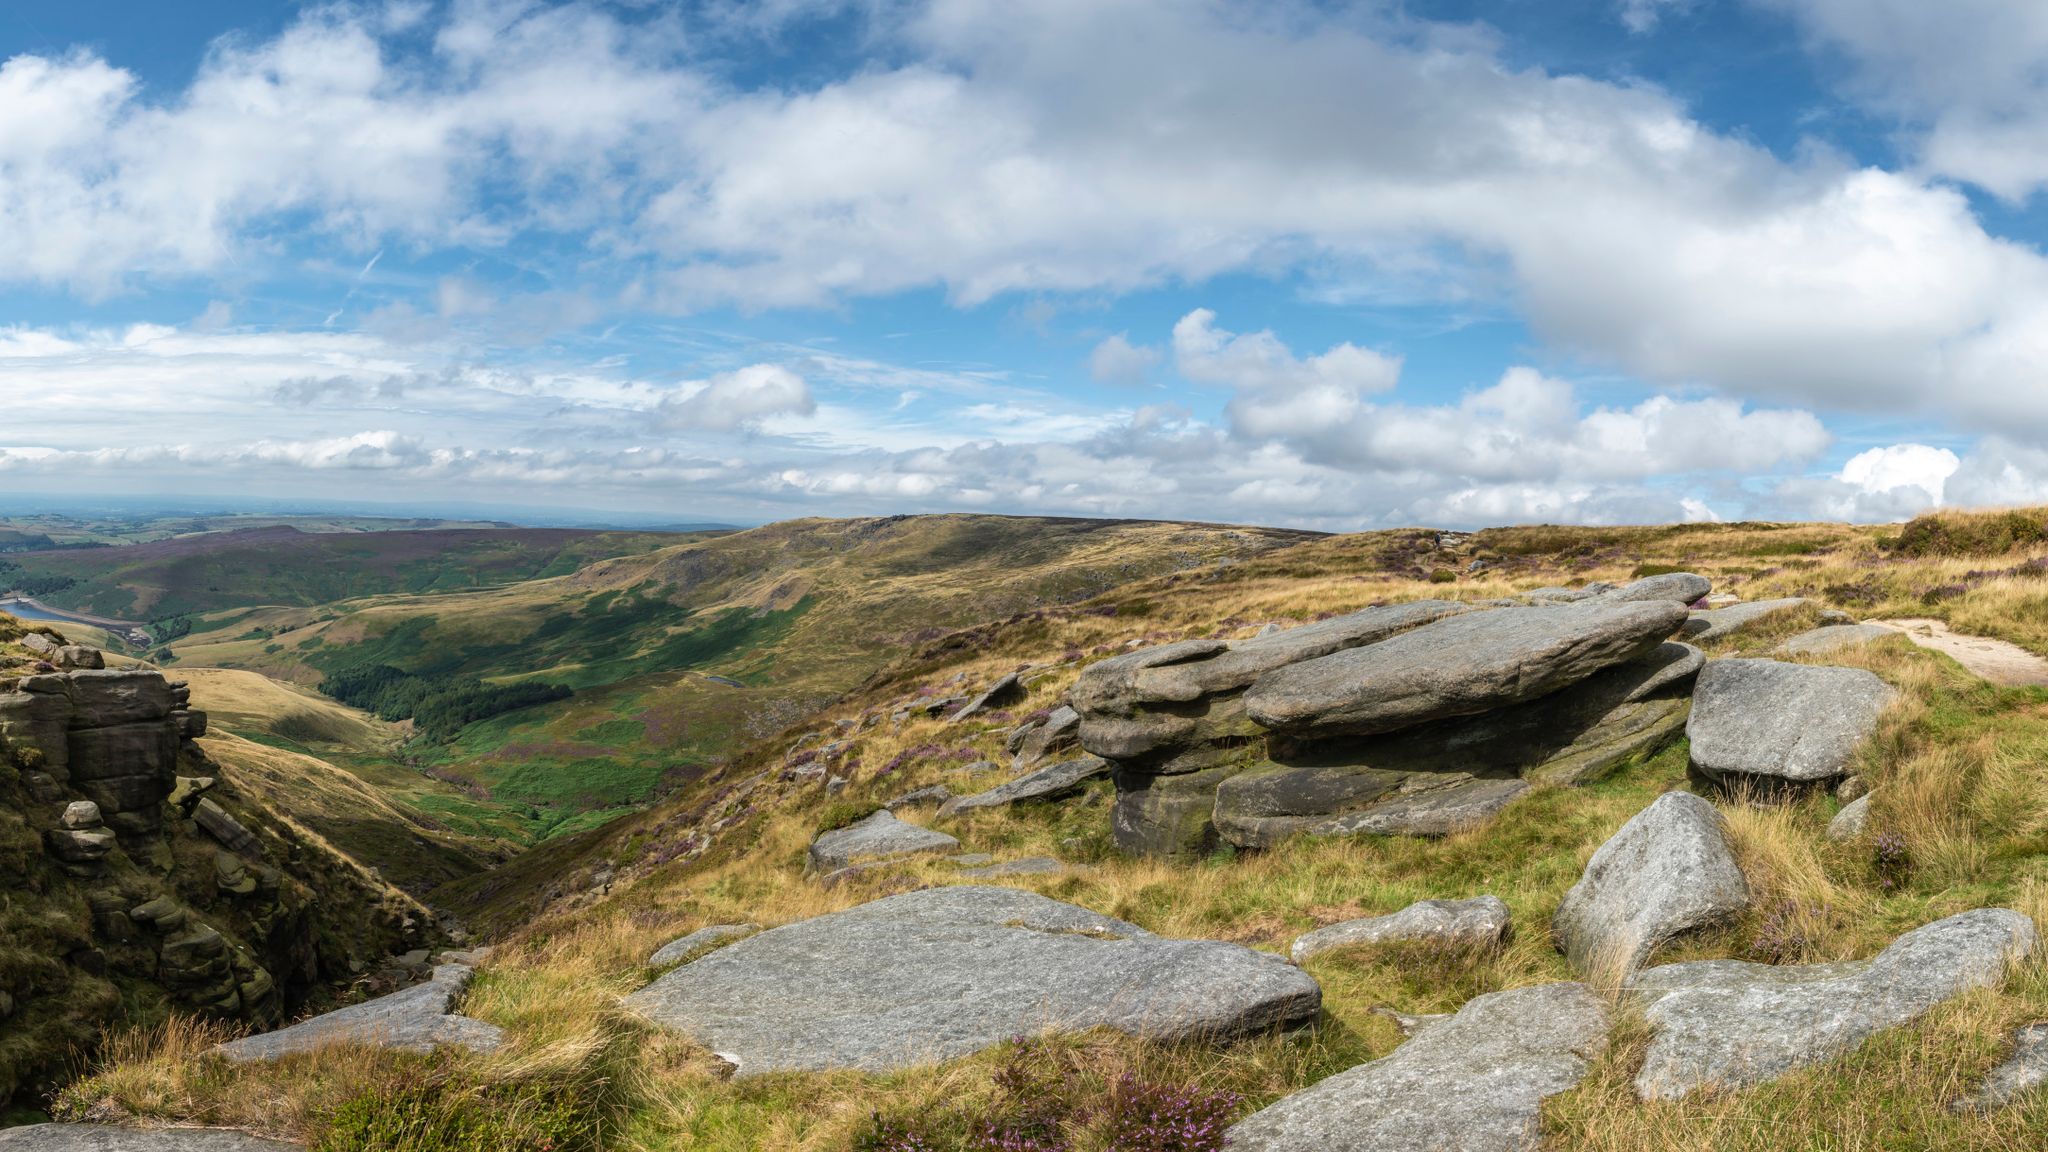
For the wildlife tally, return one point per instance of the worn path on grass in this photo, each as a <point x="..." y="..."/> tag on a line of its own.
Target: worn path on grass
<point x="1994" y="660"/>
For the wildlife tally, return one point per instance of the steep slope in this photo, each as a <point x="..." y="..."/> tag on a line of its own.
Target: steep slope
<point x="279" y="564"/>
<point x="680" y="655"/>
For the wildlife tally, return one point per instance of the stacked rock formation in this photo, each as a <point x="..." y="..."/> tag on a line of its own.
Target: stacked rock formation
<point x="1413" y="718"/>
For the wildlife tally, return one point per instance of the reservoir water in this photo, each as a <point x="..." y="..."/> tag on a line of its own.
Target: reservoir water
<point x="27" y="612"/>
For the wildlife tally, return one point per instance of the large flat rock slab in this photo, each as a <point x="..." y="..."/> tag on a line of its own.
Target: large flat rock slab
<point x="1668" y="870"/>
<point x="1048" y="783"/>
<point x="1473" y="1083"/>
<point x="1460" y="666"/>
<point x="415" y="1019"/>
<point x="879" y="837"/>
<point x="108" y="1138"/>
<point x="1787" y="722"/>
<point x="1733" y="1024"/>
<point x="1480" y="922"/>
<point x="946" y="972"/>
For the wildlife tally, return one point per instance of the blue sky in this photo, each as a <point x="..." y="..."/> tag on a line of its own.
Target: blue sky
<point x="1335" y="265"/>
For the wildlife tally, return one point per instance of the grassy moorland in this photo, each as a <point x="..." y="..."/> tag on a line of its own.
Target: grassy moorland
<point x="1960" y="768"/>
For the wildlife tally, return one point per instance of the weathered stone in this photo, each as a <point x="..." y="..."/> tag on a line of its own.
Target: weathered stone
<point x="232" y="876"/>
<point x="105" y="699"/>
<point x="1561" y="595"/>
<point x="1849" y="822"/>
<point x="186" y="792"/>
<point x="1678" y="587"/>
<point x="1831" y="638"/>
<point x="1668" y="870"/>
<point x="2025" y="1071"/>
<point x="224" y="828"/>
<point x="106" y="1138"/>
<point x="1059" y="732"/>
<point x="1852" y="788"/>
<point x="945" y="972"/>
<point x="930" y="794"/>
<point x="1461" y="666"/>
<point x="162" y="914"/>
<point x="1786" y="722"/>
<point x="82" y="846"/>
<point x="1734" y="1024"/>
<point x="1714" y="623"/>
<point x="1473" y="1083"/>
<point x="681" y="949"/>
<point x="1045" y="784"/>
<point x="80" y="656"/>
<point x="879" y="837"/>
<point x="1028" y="866"/>
<point x="1171" y="817"/>
<point x="416" y="1019"/>
<point x="139" y="748"/>
<point x="1003" y="693"/>
<point x="81" y="814"/>
<point x="1478" y="923"/>
<point x="191" y="723"/>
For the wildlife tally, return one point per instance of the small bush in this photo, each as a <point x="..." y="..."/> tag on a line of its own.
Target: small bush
<point x="1443" y="576"/>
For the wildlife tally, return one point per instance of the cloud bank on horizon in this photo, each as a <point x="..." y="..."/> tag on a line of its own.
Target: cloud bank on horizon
<point x="1336" y="266"/>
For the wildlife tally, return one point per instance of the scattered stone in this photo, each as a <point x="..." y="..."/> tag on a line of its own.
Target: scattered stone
<point x="1003" y="693"/>
<point x="186" y="793"/>
<point x="2024" y="1071"/>
<point x="222" y="827"/>
<point x="1835" y="616"/>
<point x="1473" y="1083"/>
<point x="414" y="1020"/>
<point x="970" y="859"/>
<point x="81" y="847"/>
<point x="1467" y="664"/>
<point x="107" y="1138"/>
<point x="1668" y="870"/>
<point x="930" y="794"/>
<point x="1786" y="722"/>
<point x="1028" y="866"/>
<point x="1478" y="923"/>
<point x="1678" y="587"/>
<point x="879" y="837"/>
<point x="1045" y="784"/>
<point x="1714" y="623"/>
<point x="81" y="814"/>
<point x="1559" y="595"/>
<point x="1831" y="638"/>
<point x="80" y="656"/>
<point x="1734" y="1024"/>
<point x="834" y="785"/>
<point x="946" y="972"/>
<point x="1852" y="788"/>
<point x="232" y="876"/>
<point x="679" y="950"/>
<point x="1848" y="824"/>
<point x="1059" y="732"/>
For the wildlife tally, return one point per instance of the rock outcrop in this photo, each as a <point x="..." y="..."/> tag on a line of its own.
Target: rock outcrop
<point x="106" y="1138"/>
<point x="1714" y="623"/>
<point x="1734" y="1024"/>
<point x="1668" y="870"/>
<point x="1831" y="638"/>
<point x="879" y="837"/>
<point x="1049" y="783"/>
<point x="1478" y="923"/>
<point x="1781" y="723"/>
<point x="416" y="1019"/>
<point x="1473" y="1083"/>
<point x="942" y="973"/>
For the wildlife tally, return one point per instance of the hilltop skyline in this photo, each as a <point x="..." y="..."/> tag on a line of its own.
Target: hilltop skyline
<point x="1321" y="265"/>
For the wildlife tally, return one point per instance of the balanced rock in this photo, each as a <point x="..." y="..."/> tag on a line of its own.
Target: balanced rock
<point x="2024" y="1071"/>
<point x="1478" y="923"/>
<point x="1045" y="784"/>
<point x="107" y="1138"/>
<point x="81" y="814"/>
<point x="1734" y="1024"/>
<point x="416" y="1019"/>
<point x="1714" y="623"/>
<point x="1831" y="638"/>
<point x="1461" y="666"/>
<point x="1785" y="722"/>
<point x="879" y="837"/>
<point x="678" y="950"/>
<point x="946" y="972"/>
<point x="1473" y="1083"/>
<point x="1667" y="871"/>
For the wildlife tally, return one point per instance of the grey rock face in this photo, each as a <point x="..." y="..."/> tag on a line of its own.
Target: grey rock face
<point x="1831" y="638"/>
<point x="930" y="794"/>
<point x="1718" y="622"/>
<point x="414" y="1020"/>
<point x="222" y="827"/>
<point x="1057" y="733"/>
<point x="678" y="950"/>
<point x="2024" y="1071"/>
<point x="1003" y="693"/>
<point x="1045" y="784"/>
<point x="1734" y="1024"/>
<point x="1461" y="666"/>
<point x="1473" y="1083"/>
<point x="1480" y="922"/>
<point x="1848" y="824"/>
<point x="879" y="837"/>
<point x="1678" y="587"/>
<point x="1668" y="870"/>
<point x="105" y="1138"/>
<point x="1795" y="722"/>
<point x="1171" y="817"/>
<point x="942" y="973"/>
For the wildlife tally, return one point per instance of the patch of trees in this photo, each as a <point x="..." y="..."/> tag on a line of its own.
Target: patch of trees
<point x="171" y="628"/>
<point x="32" y="585"/>
<point x="438" y="706"/>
